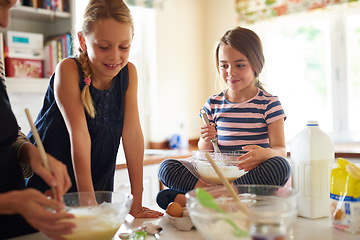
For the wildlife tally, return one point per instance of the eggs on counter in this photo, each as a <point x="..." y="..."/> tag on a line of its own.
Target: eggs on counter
<point x="179" y="217"/>
<point x="174" y="209"/>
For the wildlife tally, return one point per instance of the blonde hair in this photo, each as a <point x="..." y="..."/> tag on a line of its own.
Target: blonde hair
<point x="95" y="11"/>
<point x="248" y="43"/>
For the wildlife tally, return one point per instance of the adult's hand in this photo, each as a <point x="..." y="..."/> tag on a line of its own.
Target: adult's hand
<point x="44" y="214"/>
<point x="57" y="178"/>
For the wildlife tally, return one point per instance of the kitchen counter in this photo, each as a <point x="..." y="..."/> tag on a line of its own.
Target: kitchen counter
<point x="156" y="156"/>
<point x="304" y="229"/>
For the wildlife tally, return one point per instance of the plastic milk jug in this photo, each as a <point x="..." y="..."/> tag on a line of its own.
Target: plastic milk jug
<point x="312" y="155"/>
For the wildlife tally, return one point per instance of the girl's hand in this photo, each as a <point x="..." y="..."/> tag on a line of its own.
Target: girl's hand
<point x="145" y="212"/>
<point x="138" y="211"/>
<point x="44" y="214"/>
<point x="208" y="132"/>
<point x="253" y="158"/>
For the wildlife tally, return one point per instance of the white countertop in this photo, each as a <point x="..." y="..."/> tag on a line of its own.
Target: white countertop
<point x="304" y="229"/>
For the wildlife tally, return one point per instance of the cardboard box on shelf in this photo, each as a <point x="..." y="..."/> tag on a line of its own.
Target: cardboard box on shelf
<point x="24" y="54"/>
<point x="35" y="54"/>
<point x="24" y="40"/>
<point x="18" y="67"/>
<point x="24" y="45"/>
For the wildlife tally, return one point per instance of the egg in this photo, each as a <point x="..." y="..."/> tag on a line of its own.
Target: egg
<point x="174" y="209"/>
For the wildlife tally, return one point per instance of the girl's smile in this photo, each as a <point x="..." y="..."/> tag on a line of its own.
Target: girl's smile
<point x="108" y="50"/>
<point x="233" y="81"/>
<point x="111" y="66"/>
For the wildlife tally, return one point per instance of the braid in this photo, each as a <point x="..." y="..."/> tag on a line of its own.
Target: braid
<point x="85" y="94"/>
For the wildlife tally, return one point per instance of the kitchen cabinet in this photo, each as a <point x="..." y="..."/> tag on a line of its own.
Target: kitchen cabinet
<point x="151" y="183"/>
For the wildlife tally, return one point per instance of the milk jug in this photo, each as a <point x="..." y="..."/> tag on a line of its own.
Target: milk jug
<point x="312" y="155"/>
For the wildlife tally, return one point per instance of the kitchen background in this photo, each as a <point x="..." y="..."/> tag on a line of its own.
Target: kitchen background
<point x="311" y="51"/>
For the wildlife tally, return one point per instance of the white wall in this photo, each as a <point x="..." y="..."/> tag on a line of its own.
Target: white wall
<point x="187" y="31"/>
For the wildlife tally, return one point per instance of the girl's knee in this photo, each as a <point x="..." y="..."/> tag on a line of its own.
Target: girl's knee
<point x="167" y="169"/>
<point x="274" y="171"/>
<point x="168" y="164"/>
<point x="282" y="168"/>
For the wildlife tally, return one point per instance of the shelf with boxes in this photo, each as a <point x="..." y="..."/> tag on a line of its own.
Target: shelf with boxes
<point x="35" y="41"/>
<point x="24" y="54"/>
<point x="27" y="56"/>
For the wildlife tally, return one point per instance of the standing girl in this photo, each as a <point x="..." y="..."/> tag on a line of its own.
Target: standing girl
<point x="242" y="117"/>
<point x="91" y="103"/>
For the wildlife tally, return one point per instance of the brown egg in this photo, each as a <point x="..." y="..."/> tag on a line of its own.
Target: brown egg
<point x="174" y="209"/>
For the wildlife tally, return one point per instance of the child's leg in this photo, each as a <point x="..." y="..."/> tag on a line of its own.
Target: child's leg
<point x="180" y="198"/>
<point x="174" y="175"/>
<point x="274" y="171"/>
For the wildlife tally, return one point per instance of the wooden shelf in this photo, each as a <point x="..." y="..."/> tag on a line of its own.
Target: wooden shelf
<point x="27" y="85"/>
<point x="25" y="12"/>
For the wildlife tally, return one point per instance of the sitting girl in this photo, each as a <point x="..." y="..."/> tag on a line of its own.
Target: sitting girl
<point x="242" y="117"/>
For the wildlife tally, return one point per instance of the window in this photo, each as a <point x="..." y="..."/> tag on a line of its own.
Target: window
<point x="353" y="70"/>
<point x="311" y="63"/>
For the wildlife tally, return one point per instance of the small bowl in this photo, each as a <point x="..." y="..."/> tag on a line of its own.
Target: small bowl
<point x="272" y="211"/>
<point x="97" y="221"/>
<point x="226" y="161"/>
<point x="183" y="223"/>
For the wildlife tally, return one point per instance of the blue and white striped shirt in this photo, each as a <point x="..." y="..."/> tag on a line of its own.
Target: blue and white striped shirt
<point x="243" y="123"/>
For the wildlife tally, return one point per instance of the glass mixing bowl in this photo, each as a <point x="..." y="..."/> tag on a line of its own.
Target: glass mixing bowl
<point x="97" y="221"/>
<point x="272" y="212"/>
<point x="226" y="161"/>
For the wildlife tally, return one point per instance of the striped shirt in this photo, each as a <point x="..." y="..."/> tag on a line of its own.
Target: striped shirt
<point x="243" y="123"/>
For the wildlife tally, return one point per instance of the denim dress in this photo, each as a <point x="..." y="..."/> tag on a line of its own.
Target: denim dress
<point x="105" y="131"/>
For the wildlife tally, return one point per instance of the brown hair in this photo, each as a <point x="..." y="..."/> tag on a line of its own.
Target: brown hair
<point x="95" y="11"/>
<point x="248" y="43"/>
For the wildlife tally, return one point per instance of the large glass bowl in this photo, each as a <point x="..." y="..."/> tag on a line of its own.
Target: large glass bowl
<point x="100" y="220"/>
<point x="272" y="212"/>
<point x="226" y="161"/>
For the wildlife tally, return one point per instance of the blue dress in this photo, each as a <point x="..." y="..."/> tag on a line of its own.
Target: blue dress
<point x="105" y="131"/>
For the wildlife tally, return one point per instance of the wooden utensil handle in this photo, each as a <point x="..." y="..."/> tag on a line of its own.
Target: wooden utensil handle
<point x="40" y="146"/>
<point x="226" y="183"/>
<point x="204" y="117"/>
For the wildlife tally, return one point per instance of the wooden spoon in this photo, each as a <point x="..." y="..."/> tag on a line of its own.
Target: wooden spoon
<point x="227" y="185"/>
<point x="40" y="147"/>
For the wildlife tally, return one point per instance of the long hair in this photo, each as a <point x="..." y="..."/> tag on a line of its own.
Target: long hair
<point x="248" y="43"/>
<point x="95" y="11"/>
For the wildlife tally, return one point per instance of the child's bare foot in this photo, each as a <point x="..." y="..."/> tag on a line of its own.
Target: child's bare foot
<point x="167" y="196"/>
